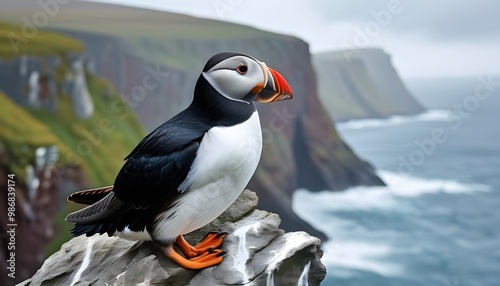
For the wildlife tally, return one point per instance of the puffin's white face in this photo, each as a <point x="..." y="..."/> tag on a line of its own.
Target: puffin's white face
<point x="238" y="77"/>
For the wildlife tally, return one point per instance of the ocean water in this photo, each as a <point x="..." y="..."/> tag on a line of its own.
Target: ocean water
<point x="438" y="220"/>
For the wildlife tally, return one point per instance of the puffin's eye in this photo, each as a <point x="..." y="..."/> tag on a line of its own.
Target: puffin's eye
<point x="242" y="69"/>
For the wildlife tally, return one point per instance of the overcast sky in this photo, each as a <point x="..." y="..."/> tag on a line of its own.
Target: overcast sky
<point x="426" y="38"/>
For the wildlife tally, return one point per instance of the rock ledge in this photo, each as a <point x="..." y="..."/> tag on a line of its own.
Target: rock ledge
<point x="259" y="253"/>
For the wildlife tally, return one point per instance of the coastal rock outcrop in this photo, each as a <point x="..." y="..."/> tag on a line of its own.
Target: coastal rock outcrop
<point x="362" y="83"/>
<point x="259" y="253"/>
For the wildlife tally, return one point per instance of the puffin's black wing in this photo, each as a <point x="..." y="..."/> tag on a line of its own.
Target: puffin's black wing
<point x="149" y="179"/>
<point x="160" y="163"/>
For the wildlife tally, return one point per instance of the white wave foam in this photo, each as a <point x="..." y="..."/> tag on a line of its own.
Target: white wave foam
<point x="386" y="197"/>
<point x="430" y="115"/>
<point x="358" y="198"/>
<point x="414" y="186"/>
<point x="359" y="256"/>
<point x="343" y="255"/>
<point x="342" y="251"/>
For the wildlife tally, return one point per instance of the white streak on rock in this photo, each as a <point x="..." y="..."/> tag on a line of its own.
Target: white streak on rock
<point x="270" y="279"/>
<point x="82" y="100"/>
<point x="304" y="277"/>
<point x="85" y="262"/>
<point x="242" y="255"/>
<point x="117" y="279"/>
<point x="34" y="90"/>
<point x="292" y="241"/>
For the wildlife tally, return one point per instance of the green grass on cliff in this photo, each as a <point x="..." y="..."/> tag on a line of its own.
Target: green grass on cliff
<point x="21" y="133"/>
<point x="101" y="142"/>
<point x="14" y="42"/>
<point x="98" y="143"/>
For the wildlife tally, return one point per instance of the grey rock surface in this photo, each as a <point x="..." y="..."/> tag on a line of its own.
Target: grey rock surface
<point x="259" y="253"/>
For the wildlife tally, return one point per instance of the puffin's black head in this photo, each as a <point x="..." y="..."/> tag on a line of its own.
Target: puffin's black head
<point x="243" y="78"/>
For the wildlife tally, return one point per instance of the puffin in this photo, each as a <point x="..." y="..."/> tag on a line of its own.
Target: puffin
<point x="190" y="169"/>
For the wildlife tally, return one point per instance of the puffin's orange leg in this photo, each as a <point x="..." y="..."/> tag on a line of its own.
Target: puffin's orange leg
<point x="210" y="259"/>
<point x="211" y="241"/>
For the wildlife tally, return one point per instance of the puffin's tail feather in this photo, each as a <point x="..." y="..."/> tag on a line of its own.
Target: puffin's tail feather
<point x="88" y="197"/>
<point x="108" y="207"/>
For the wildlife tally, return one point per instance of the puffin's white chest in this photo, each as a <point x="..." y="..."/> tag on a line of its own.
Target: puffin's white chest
<point x="227" y="152"/>
<point x="225" y="162"/>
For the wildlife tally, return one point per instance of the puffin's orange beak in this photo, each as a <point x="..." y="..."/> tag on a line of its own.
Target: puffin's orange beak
<point x="275" y="88"/>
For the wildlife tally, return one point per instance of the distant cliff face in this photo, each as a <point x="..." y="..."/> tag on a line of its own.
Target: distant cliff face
<point x="363" y="84"/>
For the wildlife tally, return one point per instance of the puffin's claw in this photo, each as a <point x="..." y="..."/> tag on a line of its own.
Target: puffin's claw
<point x="214" y="240"/>
<point x="223" y="233"/>
<point x="222" y="253"/>
<point x="215" y="255"/>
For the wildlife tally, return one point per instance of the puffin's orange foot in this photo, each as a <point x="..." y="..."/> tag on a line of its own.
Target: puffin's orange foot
<point x="212" y="241"/>
<point x="209" y="255"/>
<point x="203" y="261"/>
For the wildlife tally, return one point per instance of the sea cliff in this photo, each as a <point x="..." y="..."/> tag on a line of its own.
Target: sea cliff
<point x="360" y="84"/>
